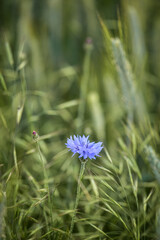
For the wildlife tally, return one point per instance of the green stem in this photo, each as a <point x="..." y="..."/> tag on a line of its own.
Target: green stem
<point x="43" y="164"/>
<point x="44" y="172"/>
<point x="45" y="184"/>
<point x="83" y="163"/>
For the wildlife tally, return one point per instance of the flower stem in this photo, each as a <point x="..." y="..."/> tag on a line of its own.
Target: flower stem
<point x="82" y="169"/>
<point x="45" y="182"/>
<point x="44" y="173"/>
<point x="43" y="164"/>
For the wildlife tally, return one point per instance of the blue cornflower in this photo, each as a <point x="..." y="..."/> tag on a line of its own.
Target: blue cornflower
<point x="84" y="147"/>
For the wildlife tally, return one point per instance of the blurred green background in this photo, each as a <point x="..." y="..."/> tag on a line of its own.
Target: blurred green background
<point x="80" y="67"/>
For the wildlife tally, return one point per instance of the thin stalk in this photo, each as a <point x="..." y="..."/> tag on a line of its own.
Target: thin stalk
<point x="44" y="172"/>
<point x="43" y="164"/>
<point x="45" y="183"/>
<point x="82" y="169"/>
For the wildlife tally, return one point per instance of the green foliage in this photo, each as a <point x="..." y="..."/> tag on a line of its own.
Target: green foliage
<point x="54" y="81"/>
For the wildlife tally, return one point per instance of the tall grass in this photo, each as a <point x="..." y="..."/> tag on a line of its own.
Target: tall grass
<point x="55" y="82"/>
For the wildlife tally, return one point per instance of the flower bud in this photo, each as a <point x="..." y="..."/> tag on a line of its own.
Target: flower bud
<point x="35" y="135"/>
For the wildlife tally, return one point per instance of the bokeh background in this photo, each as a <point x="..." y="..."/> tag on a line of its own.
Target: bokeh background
<point x="80" y="67"/>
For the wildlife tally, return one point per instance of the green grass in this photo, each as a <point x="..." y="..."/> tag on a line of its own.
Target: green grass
<point x="53" y="82"/>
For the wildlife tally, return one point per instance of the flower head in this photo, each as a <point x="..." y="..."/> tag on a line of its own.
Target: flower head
<point x="84" y="147"/>
<point x="35" y="135"/>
